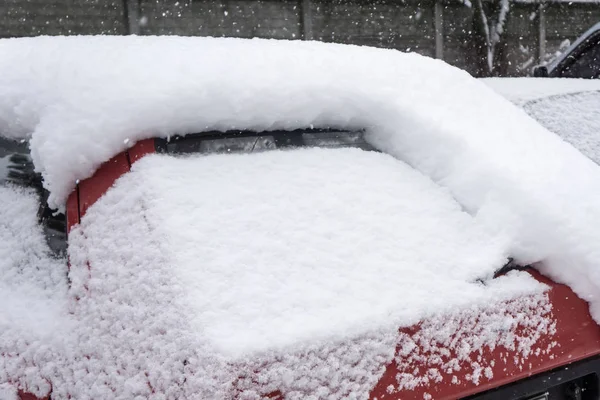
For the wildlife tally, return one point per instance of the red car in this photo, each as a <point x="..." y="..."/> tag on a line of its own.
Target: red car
<point x="257" y="219"/>
<point x="561" y="362"/>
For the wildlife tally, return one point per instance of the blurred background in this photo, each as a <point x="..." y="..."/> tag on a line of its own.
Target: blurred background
<point x="484" y="37"/>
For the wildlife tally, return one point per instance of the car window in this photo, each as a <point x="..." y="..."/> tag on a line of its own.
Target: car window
<point x="586" y="65"/>
<point x="250" y="142"/>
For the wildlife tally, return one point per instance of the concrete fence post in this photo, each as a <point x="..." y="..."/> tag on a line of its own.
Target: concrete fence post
<point x="438" y="11"/>
<point x="132" y="16"/>
<point x="305" y="20"/>
<point x="541" y="32"/>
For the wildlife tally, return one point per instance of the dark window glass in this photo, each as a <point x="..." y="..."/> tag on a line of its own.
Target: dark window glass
<point x="586" y="65"/>
<point x="16" y="168"/>
<point x="250" y="141"/>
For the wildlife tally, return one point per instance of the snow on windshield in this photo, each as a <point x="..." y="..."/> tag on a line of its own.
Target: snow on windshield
<point x="319" y="242"/>
<point x="292" y="264"/>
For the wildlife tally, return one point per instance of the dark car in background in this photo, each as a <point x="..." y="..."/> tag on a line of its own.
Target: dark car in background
<point x="580" y="60"/>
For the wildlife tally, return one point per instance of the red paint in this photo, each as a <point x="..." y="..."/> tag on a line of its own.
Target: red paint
<point x="140" y="149"/>
<point x="577" y="335"/>
<point x="91" y="189"/>
<point x="72" y="209"/>
<point x="28" y="396"/>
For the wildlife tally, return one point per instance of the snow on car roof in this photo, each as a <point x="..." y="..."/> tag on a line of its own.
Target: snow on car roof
<point x="82" y="100"/>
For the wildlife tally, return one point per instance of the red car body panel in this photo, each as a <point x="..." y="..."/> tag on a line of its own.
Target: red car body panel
<point x="577" y="336"/>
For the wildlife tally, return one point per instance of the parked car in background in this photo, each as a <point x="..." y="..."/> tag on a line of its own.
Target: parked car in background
<point x="580" y="60"/>
<point x="568" y="107"/>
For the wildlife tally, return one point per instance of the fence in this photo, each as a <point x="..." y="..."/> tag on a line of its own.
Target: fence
<point x="436" y="28"/>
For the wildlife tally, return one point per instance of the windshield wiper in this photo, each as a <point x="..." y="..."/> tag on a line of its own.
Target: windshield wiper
<point x="511" y="265"/>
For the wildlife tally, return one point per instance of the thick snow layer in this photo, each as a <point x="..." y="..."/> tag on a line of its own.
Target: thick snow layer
<point x="523" y="90"/>
<point x="292" y="269"/>
<point x="265" y="266"/>
<point x="104" y="93"/>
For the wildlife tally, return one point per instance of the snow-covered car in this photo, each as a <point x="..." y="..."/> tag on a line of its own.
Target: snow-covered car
<point x="579" y="60"/>
<point x="568" y="107"/>
<point x="285" y="220"/>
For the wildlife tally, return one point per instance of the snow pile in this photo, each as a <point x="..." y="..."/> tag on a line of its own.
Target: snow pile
<point x="226" y="282"/>
<point x="82" y="106"/>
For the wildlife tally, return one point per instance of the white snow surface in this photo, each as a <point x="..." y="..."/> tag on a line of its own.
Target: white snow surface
<point x="224" y="275"/>
<point x="523" y="90"/>
<point x="568" y="107"/>
<point x="264" y="267"/>
<point x="574" y="117"/>
<point x="33" y="287"/>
